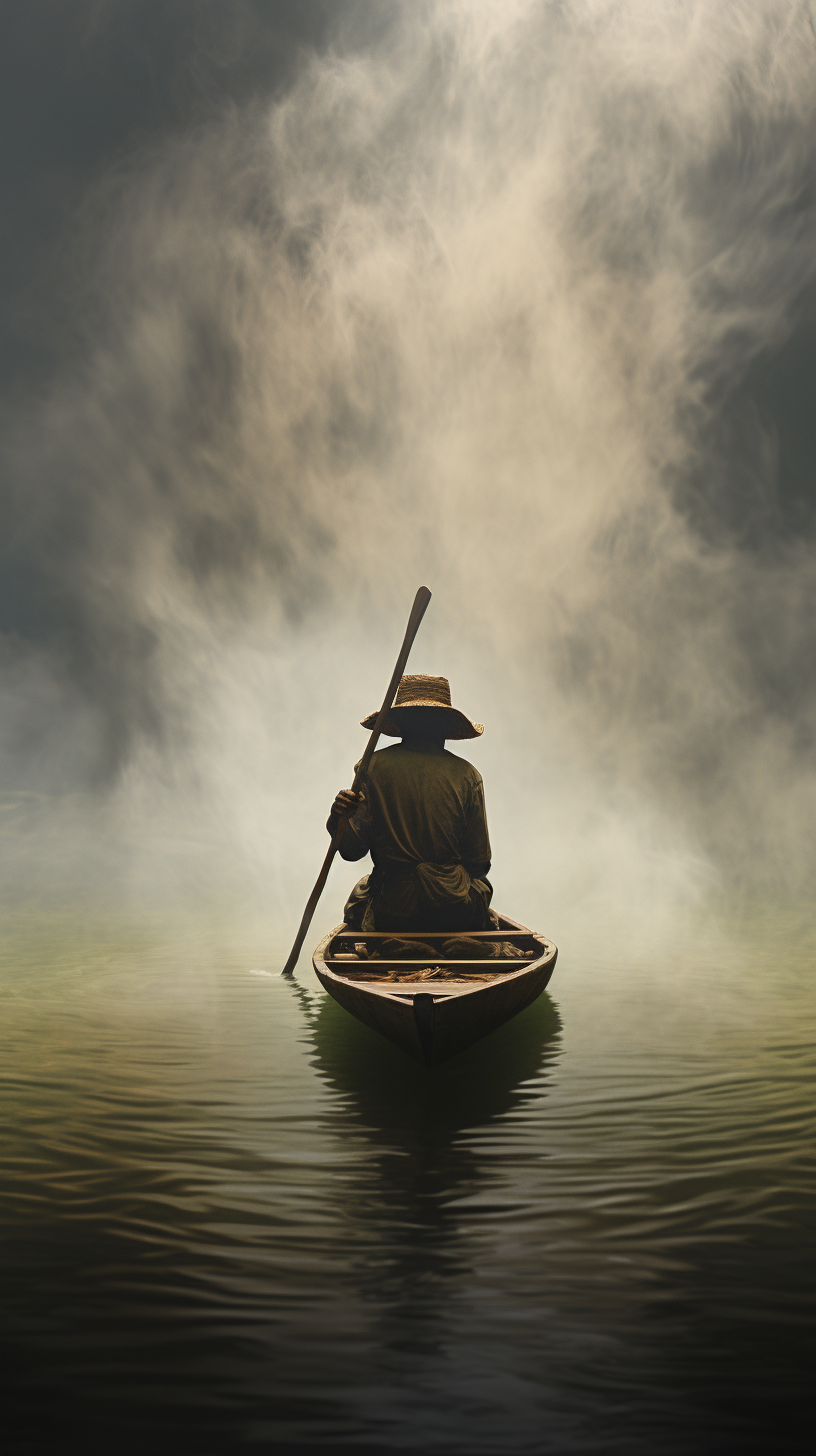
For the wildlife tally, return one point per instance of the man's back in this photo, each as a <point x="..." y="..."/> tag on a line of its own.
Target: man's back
<point x="425" y="804"/>
<point x="422" y="816"/>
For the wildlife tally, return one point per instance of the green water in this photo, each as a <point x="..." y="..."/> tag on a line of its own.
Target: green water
<point x="235" y="1219"/>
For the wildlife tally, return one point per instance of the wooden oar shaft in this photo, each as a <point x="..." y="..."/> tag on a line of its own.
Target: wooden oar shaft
<point x="418" y="610"/>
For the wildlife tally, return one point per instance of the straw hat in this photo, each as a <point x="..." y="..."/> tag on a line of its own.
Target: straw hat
<point x="417" y="690"/>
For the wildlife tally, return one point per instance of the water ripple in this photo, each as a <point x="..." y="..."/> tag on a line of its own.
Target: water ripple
<point x="232" y="1215"/>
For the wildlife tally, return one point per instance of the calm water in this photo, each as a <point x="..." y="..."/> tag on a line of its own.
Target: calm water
<point x="235" y="1219"/>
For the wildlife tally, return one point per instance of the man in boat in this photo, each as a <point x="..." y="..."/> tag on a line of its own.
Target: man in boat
<point x="421" y="815"/>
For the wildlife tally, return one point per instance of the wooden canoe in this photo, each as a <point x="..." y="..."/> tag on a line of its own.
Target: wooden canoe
<point x="434" y="1019"/>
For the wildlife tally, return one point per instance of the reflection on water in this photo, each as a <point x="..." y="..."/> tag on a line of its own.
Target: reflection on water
<point x="235" y="1217"/>
<point x="425" y="1170"/>
<point x="422" y="1109"/>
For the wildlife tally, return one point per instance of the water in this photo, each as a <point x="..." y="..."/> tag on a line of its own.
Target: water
<point x="235" y="1219"/>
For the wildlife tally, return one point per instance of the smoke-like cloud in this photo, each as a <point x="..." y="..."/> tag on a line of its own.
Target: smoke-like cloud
<point x="517" y="299"/>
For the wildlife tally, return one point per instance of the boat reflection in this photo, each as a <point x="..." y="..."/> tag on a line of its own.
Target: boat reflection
<point x="395" y="1098"/>
<point x="433" y="1157"/>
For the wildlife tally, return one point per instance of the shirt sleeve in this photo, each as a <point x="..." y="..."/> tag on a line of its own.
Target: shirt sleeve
<point x="356" y="841"/>
<point x="476" y="848"/>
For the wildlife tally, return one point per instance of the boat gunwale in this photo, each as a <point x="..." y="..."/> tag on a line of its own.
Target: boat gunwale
<point x="406" y="990"/>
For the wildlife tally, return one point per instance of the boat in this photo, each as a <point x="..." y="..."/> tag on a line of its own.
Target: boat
<point x="435" y="994"/>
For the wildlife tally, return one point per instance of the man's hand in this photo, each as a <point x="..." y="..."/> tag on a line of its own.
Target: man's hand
<point x="347" y="803"/>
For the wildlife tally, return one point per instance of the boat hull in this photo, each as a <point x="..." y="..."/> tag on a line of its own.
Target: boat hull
<point x="431" y="1021"/>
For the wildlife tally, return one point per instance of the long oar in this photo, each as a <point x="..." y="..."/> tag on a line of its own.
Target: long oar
<point x="421" y="601"/>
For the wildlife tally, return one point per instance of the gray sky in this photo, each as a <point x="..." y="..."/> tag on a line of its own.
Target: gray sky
<point x="309" y="303"/>
<point x="86" y="82"/>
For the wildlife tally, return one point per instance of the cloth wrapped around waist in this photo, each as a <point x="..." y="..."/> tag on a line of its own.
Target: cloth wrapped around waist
<point x="441" y="884"/>
<point x="398" y="895"/>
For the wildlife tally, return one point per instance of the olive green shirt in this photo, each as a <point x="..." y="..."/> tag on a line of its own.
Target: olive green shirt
<point x="422" y="805"/>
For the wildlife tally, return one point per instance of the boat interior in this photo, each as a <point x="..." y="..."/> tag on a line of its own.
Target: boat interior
<point x="419" y="956"/>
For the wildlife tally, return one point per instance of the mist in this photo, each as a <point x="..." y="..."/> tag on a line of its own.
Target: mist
<point x="516" y="300"/>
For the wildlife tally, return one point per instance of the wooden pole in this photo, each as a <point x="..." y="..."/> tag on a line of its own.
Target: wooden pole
<point x="421" y="601"/>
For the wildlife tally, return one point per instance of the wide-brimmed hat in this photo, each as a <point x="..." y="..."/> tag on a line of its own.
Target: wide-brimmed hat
<point x="417" y="690"/>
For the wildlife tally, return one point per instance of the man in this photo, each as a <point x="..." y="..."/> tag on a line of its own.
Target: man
<point x="421" y="814"/>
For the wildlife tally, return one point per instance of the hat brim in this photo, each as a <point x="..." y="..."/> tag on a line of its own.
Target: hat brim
<point x="454" y="724"/>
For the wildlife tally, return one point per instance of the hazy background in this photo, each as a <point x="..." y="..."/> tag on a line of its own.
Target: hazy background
<point x="307" y="304"/>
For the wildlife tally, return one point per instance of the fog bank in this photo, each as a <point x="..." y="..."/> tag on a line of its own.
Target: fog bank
<point x="515" y="300"/>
